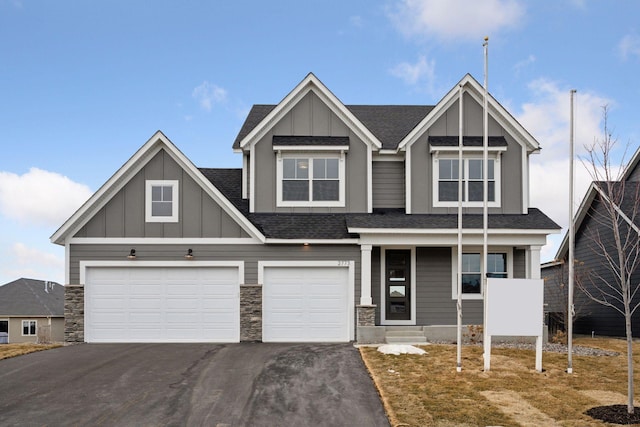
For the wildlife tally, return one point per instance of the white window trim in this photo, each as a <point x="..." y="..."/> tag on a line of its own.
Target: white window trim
<point x="477" y="250"/>
<point x="304" y="155"/>
<point x="22" y="327"/>
<point x="452" y="204"/>
<point x="175" y="184"/>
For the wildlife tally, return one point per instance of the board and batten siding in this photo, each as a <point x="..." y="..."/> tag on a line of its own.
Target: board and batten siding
<point x="388" y="184"/>
<point x="447" y="125"/>
<point x="124" y="215"/>
<point x="310" y="117"/>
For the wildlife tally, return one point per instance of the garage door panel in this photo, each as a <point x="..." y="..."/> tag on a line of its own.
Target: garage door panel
<point x="305" y="304"/>
<point x="162" y="304"/>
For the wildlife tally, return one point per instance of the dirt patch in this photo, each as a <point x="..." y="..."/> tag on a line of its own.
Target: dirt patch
<point x="615" y="414"/>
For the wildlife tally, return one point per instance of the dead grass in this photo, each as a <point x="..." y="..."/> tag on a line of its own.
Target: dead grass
<point x="13" y="350"/>
<point x="427" y="391"/>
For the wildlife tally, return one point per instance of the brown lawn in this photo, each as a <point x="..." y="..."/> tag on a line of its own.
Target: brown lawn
<point x="13" y="350"/>
<point x="427" y="391"/>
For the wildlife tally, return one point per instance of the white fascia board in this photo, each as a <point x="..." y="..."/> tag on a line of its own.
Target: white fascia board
<point x="157" y="142"/>
<point x="444" y="231"/>
<point x="312" y="241"/>
<point x="579" y="216"/>
<point x="309" y="83"/>
<point x="476" y="91"/>
<point x="117" y="181"/>
<point x="451" y="239"/>
<point x="164" y="241"/>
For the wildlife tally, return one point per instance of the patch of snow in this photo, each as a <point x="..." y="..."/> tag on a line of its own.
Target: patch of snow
<point x="398" y="349"/>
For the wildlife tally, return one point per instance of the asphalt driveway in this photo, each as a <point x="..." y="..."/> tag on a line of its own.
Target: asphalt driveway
<point x="190" y="384"/>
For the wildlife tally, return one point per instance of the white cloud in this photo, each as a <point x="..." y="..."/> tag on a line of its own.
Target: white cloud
<point x="40" y="197"/>
<point x="547" y="117"/>
<point x="422" y="71"/>
<point x="524" y="63"/>
<point x="21" y="260"/>
<point x="629" y="46"/>
<point x="456" y="19"/>
<point x="209" y="94"/>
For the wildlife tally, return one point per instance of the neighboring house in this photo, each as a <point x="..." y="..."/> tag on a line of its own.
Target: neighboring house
<point x="595" y="318"/>
<point x="342" y="221"/>
<point x="32" y="311"/>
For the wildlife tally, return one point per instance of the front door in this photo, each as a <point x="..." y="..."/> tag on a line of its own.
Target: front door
<point x="398" y="284"/>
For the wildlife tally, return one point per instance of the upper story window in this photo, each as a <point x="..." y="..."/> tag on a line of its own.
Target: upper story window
<point x="161" y="201"/>
<point x="311" y="180"/>
<point x="447" y="171"/>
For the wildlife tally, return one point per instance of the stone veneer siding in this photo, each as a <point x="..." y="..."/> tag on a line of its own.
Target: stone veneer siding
<point x="74" y="313"/>
<point x="250" y="313"/>
<point x="366" y="315"/>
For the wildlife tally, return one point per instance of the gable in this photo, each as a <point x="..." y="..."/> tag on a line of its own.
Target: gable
<point x="311" y="116"/>
<point x="473" y="95"/>
<point x="106" y="213"/>
<point x="124" y="215"/>
<point x="299" y="97"/>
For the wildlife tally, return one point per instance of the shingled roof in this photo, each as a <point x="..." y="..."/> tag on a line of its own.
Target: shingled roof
<point x="389" y="123"/>
<point x="29" y="297"/>
<point x="336" y="226"/>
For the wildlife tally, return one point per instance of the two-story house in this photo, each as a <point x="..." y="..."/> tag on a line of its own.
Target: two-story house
<point x="341" y="222"/>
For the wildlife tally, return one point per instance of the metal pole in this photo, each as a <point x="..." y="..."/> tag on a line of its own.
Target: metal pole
<point x="459" y="275"/>
<point x="570" y="307"/>
<point x="485" y="197"/>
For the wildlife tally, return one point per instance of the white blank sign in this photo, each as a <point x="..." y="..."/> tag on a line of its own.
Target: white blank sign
<point x="515" y="307"/>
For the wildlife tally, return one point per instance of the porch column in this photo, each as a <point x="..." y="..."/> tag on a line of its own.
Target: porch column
<point x="533" y="267"/>
<point x="365" y="275"/>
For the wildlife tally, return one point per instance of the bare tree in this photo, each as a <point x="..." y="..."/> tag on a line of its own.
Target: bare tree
<point x="556" y="288"/>
<point x="614" y="237"/>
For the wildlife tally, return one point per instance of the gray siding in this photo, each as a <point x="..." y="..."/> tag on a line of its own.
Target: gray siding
<point x="388" y="185"/>
<point x="434" y="280"/>
<point x="249" y="253"/>
<point x="310" y="117"/>
<point x="124" y="214"/>
<point x="447" y="125"/>
<point x="375" y="280"/>
<point x="519" y="264"/>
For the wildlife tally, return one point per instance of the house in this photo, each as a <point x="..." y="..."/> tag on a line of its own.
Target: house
<point x="31" y="311"/>
<point x="341" y="223"/>
<point x="592" y="317"/>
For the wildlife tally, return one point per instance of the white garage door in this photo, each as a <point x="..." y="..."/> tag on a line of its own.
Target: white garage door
<point x="306" y="304"/>
<point x="162" y="304"/>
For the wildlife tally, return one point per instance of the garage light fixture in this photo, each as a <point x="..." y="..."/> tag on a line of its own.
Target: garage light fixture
<point x="132" y="254"/>
<point x="189" y="254"/>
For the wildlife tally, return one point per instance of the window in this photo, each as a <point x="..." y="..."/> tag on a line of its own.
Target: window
<point x="311" y="181"/>
<point x="29" y="327"/>
<point x="446" y="172"/>
<point x="497" y="266"/>
<point x="162" y="201"/>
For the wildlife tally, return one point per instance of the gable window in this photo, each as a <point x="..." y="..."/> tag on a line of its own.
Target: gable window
<point x="311" y="180"/>
<point x="29" y="327"/>
<point x="446" y="172"/>
<point x="497" y="266"/>
<point x="161" y="201"/>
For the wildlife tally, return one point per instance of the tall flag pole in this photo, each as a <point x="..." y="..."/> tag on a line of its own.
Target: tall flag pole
<point x="485" y="197"/>
<point x="570" y="306"/>
<point x="459" y="275"/>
